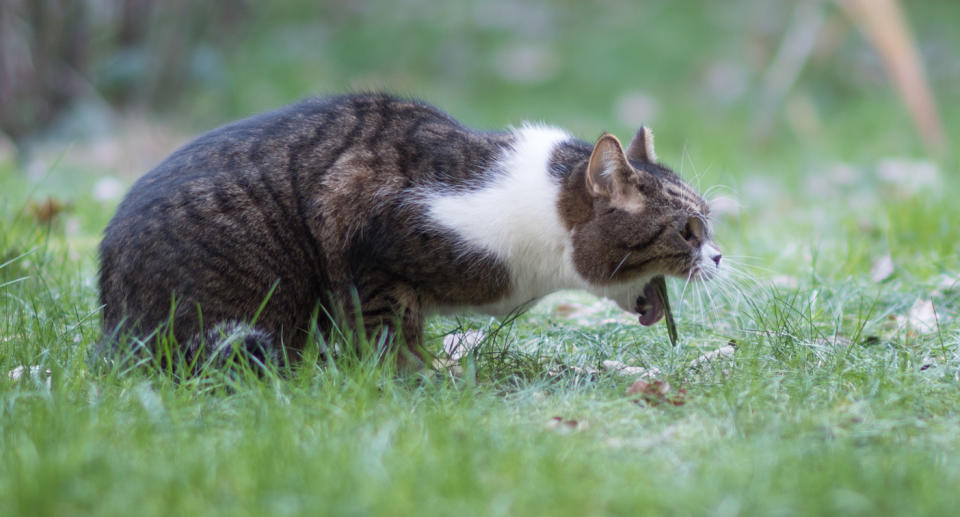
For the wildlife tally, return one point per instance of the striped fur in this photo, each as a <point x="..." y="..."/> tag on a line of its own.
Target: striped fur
<point x="390" y="203"/>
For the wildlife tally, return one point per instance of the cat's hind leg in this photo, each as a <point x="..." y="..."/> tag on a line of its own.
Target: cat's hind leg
<point x="393" y="315"/>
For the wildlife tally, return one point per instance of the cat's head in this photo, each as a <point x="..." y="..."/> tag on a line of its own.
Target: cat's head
<point x="638" y="219"/>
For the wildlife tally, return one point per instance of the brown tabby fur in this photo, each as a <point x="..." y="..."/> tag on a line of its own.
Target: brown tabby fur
<point x="313" y="202"/>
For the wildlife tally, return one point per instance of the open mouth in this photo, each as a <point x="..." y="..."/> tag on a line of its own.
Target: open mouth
<point x="654" y="305"/>
<point x="650" y="304"/>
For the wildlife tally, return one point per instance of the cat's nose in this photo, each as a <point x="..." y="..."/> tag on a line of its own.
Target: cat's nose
<point x="716" y="259"/>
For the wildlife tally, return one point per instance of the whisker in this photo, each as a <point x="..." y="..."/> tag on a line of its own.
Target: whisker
<point x="748" y="261"/>
<point x="708" y="194"/>
<point x="725" y="295"/>
<point x="752" y="257"/>
<point x="683" y="291"/>
<point x="683" y="154"/>
<point x="624" y="259"/>
<point x="731" y="293"/>
<point x="734" y="271"/>
<point x="738" y="287"/>
<point x="711" y="300"/>
<point x="699" y="293"/>
<point x="734" y="262"/>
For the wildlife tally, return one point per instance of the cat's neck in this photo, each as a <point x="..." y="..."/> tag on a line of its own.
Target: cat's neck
<point x="515" y="216"/>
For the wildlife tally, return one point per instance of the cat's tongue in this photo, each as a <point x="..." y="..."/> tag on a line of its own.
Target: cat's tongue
<point x="649" y="306"/>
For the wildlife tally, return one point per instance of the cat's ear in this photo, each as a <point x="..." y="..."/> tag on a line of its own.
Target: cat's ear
<point x="641" y="147"/>
<point x="608" y="170"/>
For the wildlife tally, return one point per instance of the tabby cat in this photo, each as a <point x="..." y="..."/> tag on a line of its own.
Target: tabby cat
<point x="390" y="207"/>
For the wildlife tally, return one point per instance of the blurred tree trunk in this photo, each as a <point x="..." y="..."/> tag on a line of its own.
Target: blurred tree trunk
<point x="44" y="57"/>
<point x="133" y="25"/>
<point x="49" y="60"/>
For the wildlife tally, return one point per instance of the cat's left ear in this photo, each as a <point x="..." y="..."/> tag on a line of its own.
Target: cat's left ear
<point x="641" y="147"/>
<point x="608" y="173"/>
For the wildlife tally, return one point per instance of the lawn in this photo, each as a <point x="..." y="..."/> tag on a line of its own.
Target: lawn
<point x="838" y="391"/>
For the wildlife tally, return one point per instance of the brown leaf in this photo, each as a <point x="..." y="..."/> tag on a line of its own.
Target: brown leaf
<point x="566" y="310"/>
<point x="44" y="212"/>
<point x="657" y="388"/>
<point x="680" y="399"/>
<point x="558" y="423"/>
<point x="657" y="392"/>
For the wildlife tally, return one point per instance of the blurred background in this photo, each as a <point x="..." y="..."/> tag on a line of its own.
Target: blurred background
<point x="839" y="100"/>
<point x="698" y="71"/>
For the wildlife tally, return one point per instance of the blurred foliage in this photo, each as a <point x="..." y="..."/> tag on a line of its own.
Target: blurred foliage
<point x="43" y="57"/>
<point x="131" y="53"/>
<point x="835" y="402"/>
<point x="692" y="70"/>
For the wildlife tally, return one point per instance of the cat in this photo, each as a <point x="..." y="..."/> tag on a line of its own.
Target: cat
<point x="390" y="207"/>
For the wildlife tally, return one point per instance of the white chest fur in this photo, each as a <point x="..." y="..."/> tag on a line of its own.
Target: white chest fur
<point x="515" y="217"/>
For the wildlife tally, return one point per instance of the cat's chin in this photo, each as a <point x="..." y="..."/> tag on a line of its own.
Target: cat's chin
<point x="649" y="305"/>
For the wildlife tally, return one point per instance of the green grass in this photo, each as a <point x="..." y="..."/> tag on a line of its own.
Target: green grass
<point x="833" y="402"/>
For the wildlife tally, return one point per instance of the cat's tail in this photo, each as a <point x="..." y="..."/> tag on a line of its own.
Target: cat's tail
<point x="222" y="346"/>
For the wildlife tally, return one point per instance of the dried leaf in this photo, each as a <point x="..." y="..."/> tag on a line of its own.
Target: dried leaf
<point x="656" y="392"/>
<point x="657" y="388"/>
<point x="723" y="352"/>
<point x="44" y="212"/>
<point x="922" y="317"/>
<point x="566" y="425"/>
<point x="566" y="310"/>
<point x="37" y="373"/>
<point x="622" y="369"/>
<point x="882" y="269"/>
<point x="561" y="369"/>
<point x="460" y="344"/>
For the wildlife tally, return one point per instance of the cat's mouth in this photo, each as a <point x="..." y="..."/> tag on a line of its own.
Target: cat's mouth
<point x="649" y="305"/>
